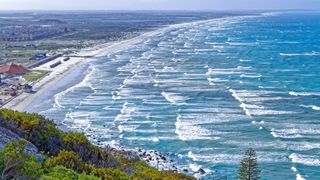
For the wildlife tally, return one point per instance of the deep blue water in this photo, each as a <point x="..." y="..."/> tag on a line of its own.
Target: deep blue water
<point x="205" y="92"/>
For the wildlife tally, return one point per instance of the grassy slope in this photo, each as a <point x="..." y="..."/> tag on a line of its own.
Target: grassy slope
<point x="73" y="151"/>
<point x="36" y="74"/>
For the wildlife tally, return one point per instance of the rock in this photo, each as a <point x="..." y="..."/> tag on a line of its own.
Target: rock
<point x="201" y="171"/>
<point x="7" y="136"/>
<point x="185" y="170"/>
<point x="163" y="158"/>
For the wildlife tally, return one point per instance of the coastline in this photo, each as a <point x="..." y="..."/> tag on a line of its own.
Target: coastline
<point x="21" y="102"/>
<point x="47" y="87"/>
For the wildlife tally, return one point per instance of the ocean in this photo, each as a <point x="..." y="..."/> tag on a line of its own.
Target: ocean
<point x="203" y="93"/>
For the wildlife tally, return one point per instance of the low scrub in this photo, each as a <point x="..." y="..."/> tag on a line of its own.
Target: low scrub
<point x="68" y="155"/>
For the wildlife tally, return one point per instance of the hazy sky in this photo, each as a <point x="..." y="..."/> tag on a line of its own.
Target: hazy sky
<point x="156" y="4"/>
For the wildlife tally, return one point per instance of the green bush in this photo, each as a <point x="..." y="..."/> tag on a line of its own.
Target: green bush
<point x="25" y="120"/>
<point x="60" y="172"/>
<point x="110" y="174"/>
<point x="67" y="159"/>
<point x="75" y="138"/>
<point x="87" y="177"/>
<point x="14" y="163"/>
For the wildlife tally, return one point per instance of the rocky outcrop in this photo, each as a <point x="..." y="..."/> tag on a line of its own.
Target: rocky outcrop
<point x="7" y="136"/>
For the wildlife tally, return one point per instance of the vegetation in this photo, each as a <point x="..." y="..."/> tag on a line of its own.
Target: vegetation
<point x="22" y="53"/>
<point x="65" y="155"/>
<point x="37" y="74"/>
<point x="14" y="163"/>
<point x="249" y="169"/>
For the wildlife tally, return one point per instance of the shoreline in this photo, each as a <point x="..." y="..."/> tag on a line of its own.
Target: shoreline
<point x="102" y="50"/>
<point x="25" y="101"/>
<point x="22" y="101"/>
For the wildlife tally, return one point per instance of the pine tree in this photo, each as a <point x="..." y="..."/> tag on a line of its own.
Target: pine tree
<point x="249" y="169"/>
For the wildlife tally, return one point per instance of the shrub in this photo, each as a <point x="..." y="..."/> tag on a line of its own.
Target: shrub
<point x="110" y="174"/>
<point x="15" y="164"/>
<point x="25" y="120"/>
<point x="60" y="172"/>
<point x="75" y="138"/>
<point x="67" y="159"/>
<point x="87" y="177"/>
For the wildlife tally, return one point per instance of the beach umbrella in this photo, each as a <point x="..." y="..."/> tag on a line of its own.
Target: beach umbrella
<point x="13" y="69"/>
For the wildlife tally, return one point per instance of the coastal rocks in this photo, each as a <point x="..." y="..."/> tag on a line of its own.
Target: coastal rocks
<point x="201" y="171"/>
<point x="156" y="159"/>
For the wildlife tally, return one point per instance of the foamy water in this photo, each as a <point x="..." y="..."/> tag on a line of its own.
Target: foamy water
<point x="204" y="92"/>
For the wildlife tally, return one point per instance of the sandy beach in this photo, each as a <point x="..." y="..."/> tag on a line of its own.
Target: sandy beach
<point x="22" y="101"/>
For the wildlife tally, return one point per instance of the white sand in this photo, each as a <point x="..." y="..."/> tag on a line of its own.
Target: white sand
<point x="22" y="101"/>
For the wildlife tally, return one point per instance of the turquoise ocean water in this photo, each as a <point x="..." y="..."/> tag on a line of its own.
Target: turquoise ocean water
<point x="203" y="93"/>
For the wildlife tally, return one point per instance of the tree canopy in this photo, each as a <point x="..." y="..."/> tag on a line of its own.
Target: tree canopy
<point x="249" y="169"/>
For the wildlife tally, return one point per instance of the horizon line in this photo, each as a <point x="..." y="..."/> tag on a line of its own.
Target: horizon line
<point x="186" y="10"/>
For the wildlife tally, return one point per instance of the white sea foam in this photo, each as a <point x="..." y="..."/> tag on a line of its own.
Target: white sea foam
<point x="187" y="45"/>
<point x="215" y="158"/>
<point x="308" y="160"/>
<point x="126" y="109"/>
<point x="216" y="80"/>
<point x="174" y="98"/>
<point x="251" y="75"/>
<point x="238" y="98"/>
<point x="194" y="167"/>
<point x="242" y="43"/>
<point x="302" y="130"/>
<point x="203" y="50"/>
<point x="245" y="60"/>
<point x="79" y="120"/>
<point x="187" y="130"/>
<point x="285" y="135"/>
<point x="259" y="112"/>
<point x="251" y="106"/>
<point x="294" y="169"/>
<point x="168" y="69"/>
<point x="126" y="112"/>
<point x="317" y="108"/>
<point x="303" y="146"/>
<point x="136" y="138"/>
<point x="263" y="99"/>
<point x="137" y="80"/>
<point x="57" y="99"/>
<point x="127" y="128"/>
<point x="301" y="54"/>
<point x="299" y="177"/>
<point x="304" y="93"/>
<point x="192" y="156"/>
<point x="248" y="98"/>
<point x="257" y="123"/>
<point x="237" y="70"/>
